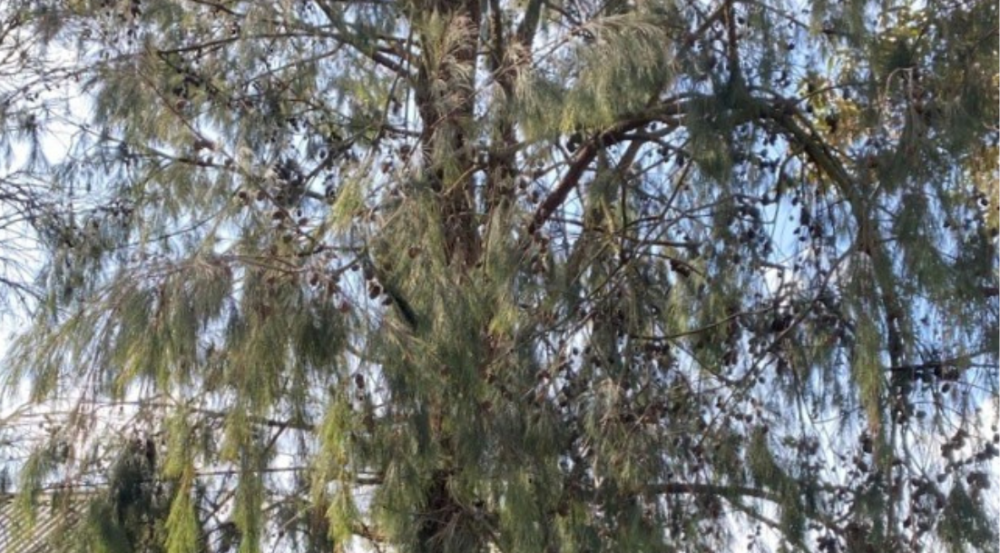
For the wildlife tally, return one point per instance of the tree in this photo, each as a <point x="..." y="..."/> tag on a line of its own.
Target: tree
<point x="485" y="276"/>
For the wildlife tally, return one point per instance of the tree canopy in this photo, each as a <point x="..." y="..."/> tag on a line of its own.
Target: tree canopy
<point x="484" y="275"/>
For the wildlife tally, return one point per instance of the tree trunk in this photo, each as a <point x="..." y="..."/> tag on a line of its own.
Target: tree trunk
<point x="445" y="102"/>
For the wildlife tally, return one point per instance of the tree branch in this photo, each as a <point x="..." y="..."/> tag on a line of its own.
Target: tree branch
<point x="668" y="112"/>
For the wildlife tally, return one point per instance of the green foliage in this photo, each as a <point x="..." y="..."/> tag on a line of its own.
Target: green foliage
<point x="473" y="276"/>
<point x="182" y="527"/>
<point x="964" y="524"/>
